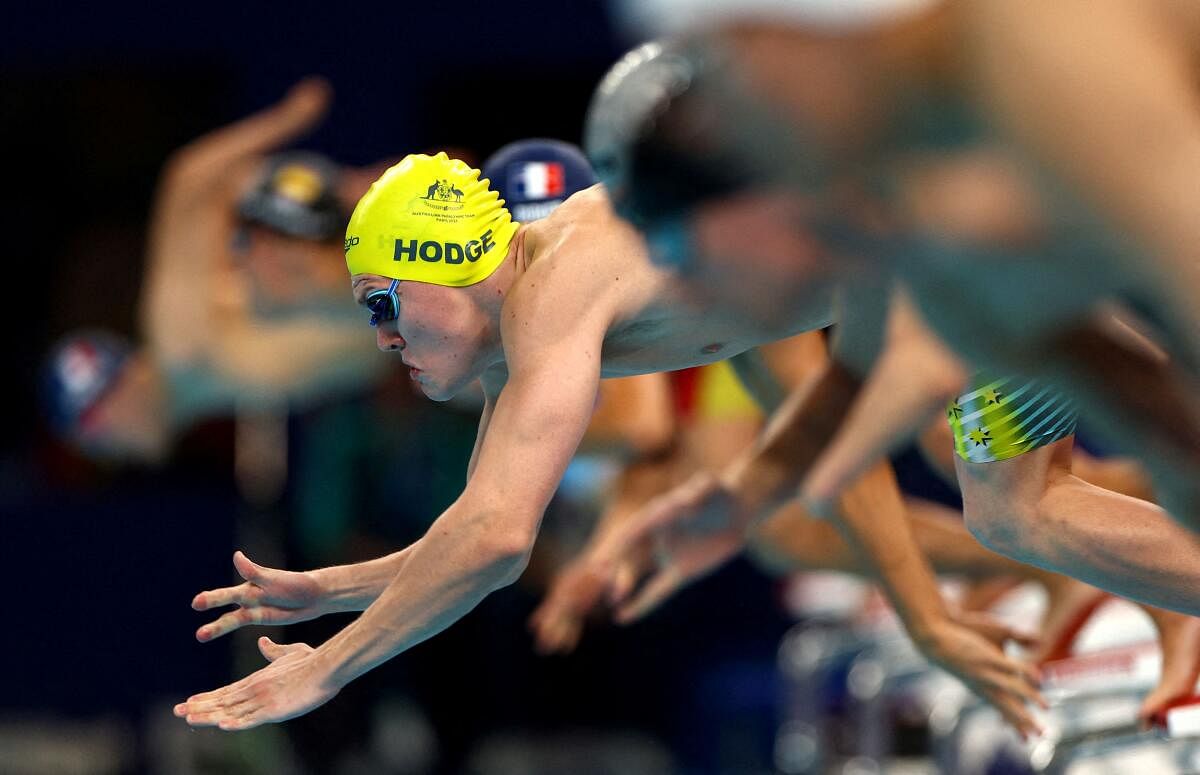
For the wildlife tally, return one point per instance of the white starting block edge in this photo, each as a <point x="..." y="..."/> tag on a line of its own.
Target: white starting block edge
<point x="825" y="595"/>
<point x="1184" y="721"/>
<point x="1127" y="668"/>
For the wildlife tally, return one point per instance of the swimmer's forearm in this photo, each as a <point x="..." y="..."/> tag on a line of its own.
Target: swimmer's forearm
<point x="355" y="587"/>
<point x="259" y="133"/>
<point x="870" y="516"/>
<point x="873" y="520"/>
<point x="910" y="386"/>
<point x="465" y="556"/>
<point x="768" y="475"/>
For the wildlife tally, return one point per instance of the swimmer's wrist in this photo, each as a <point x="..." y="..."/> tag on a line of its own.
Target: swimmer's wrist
<point x="758" y="484"/>
<point x="352" y="588"/>
<point x="928" y="625"/>
<point x="332" y="668"/>
<point x="338" y="591"/>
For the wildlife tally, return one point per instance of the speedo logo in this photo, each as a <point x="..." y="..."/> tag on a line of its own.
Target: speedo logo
<point x="449" y="252"/>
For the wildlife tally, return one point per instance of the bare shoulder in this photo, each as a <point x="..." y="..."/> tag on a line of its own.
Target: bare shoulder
<point x="579" y="262"/>
<point x="587" y="213"/>
<point x="580" y="252"/>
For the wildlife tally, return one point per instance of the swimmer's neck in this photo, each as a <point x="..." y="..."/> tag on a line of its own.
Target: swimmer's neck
<point x="490" y="295"/>
<point x="520" y="251"/>
<point x="491" y="292"/>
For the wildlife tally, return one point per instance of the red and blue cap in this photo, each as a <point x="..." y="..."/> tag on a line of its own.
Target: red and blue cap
<point x="80" y="370"/>
<point x="535" y="176"/>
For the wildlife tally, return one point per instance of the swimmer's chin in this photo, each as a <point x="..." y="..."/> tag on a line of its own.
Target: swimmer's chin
<point x="434" y="392"/>
<point x="440" y="397"/>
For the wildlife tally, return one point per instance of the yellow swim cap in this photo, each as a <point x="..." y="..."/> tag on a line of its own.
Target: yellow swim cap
<point x="431" y="219"/>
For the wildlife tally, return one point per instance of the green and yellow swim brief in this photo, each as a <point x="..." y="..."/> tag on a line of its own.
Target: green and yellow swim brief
<point x="1000" y="418"/>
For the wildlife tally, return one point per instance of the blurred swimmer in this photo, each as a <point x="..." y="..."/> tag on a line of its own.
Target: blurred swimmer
<point x="696" y="186"/>
<point x="267" y="330"/>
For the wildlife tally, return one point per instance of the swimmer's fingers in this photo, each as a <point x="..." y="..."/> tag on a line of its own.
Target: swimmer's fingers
<point x="1007" y="686"/>
<point x="556" y="634"/>
<point x="988" y="664"/>
<point x="623" y="583"/>
<point x="242" y="594"/>
<point x="681" y="560"/>
<point x="310" y="97"/>
<point x="546" y="624"/>
<point x="1006" y="683"/>
<point x="250" y="593"/>
<point x="273" y="651"/>
<point x="255" y="614"/>
<point x="1017" y="700"/>
<point x="660" y="587"/>
<point x="1015" y="711"/>
<point x="268" y="595"/>
<point x="1017" y="683"/>
<point x="577" y="590"/>
<point x="235" y="620"/>
<point x="996" y="631"/>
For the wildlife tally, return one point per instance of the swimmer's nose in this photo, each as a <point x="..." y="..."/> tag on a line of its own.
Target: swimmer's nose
<point x="389" y="340"/>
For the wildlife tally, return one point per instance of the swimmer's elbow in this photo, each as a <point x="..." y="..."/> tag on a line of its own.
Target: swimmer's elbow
<point x="944" y="375"/>
<point x="947" y="383"/>
<point x="505" y="548"/>
<point x="508" y="557"/>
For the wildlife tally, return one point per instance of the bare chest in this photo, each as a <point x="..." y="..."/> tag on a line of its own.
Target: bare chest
<point x="677" y="335"/>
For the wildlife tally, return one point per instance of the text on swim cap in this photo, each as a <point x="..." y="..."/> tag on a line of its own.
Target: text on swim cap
<point x="450" y="252"/>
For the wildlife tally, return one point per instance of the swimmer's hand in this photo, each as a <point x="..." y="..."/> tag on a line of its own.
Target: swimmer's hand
<point x="684" y="535"/>
<point x="297" y="681"/>
<point x="268" y="596"/>
<point x="606" y="571"/>
<point x="968" y="647"/>
<point x="578" y="589"/>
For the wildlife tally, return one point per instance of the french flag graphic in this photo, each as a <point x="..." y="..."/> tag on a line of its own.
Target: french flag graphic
<point x="80" y="367"/>
<point x="536" y="180"/>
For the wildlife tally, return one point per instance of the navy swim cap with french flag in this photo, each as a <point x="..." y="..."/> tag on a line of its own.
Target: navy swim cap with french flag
<point x="535" y="176"/>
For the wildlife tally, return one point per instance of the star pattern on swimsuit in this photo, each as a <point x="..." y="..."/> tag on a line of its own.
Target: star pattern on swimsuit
<point x="981" y="436"/>
<point x="992" y="396"/>
<point x="954" y="411"/>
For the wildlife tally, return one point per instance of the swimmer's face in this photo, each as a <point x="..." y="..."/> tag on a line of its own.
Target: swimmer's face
<point x="435" y="332"/>
<point x="750" y="252"/>
<point x="288" y="271"/>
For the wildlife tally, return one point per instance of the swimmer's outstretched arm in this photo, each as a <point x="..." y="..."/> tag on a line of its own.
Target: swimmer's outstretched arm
<point x="207" y="161"/>
<point x="910" y="386"/>
<point x="481" y="543"/>
<point x="274" y="596"/>
<point x="191" y="222"/>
